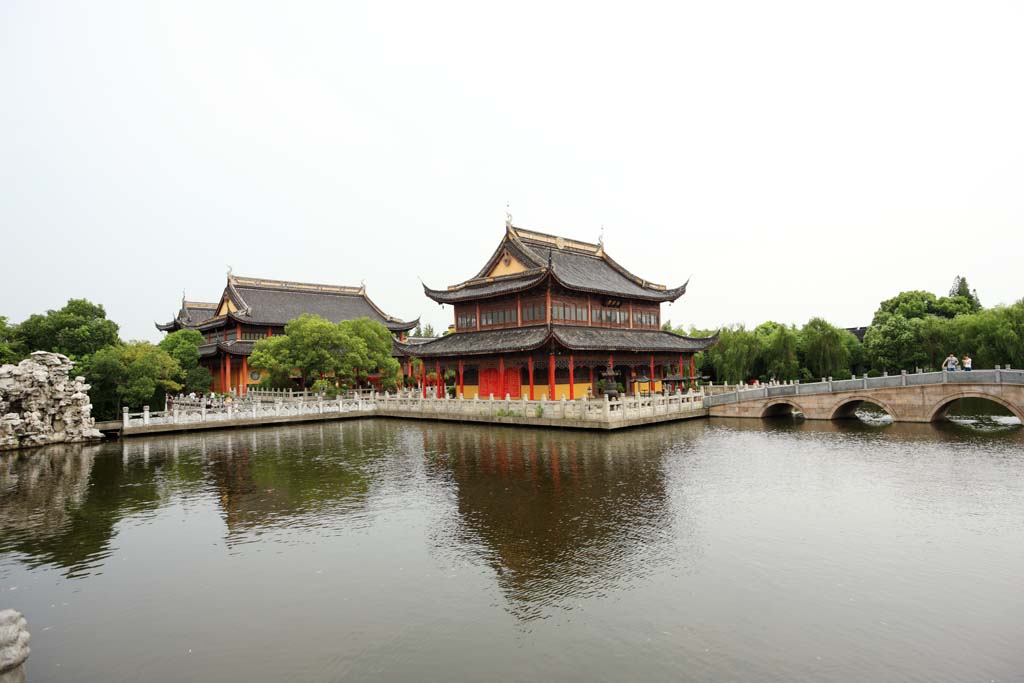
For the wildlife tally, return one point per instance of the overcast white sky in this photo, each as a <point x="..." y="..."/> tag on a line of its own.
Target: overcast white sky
<point x="798" y="159"/>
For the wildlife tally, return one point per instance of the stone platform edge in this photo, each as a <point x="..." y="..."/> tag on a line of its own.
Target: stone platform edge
<point x="560" y="423"/>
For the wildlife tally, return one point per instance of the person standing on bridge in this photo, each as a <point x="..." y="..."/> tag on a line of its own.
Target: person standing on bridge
<point x="950" y="363"/>
<point x="967" y="363"/>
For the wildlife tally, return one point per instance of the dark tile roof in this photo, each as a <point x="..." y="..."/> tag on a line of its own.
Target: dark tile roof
<point x="579" y="338"/>
<point x="474" y="343"/>
<point x="479" y="289"/>
<point x="208" y="350"/>
<point x="192" y="314"/>
<point x="576" y="265"/>
<point x="576" y="338"/>
<point x="274" y="302"/>
<point x="196" y="312"/>
<point x="237" y="348"/>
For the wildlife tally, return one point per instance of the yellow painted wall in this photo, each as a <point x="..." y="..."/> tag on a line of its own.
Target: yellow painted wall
<point x="469" y="390"/>
<point x="226" y="307"/>
<point x="514" y="266"/>
<point x="540" y="391"/>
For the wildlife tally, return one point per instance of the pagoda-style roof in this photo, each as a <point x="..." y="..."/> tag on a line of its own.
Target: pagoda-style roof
<point x="192" y="314"/>
<point x="572" y="337"/>
<point x="575" y="265"/>
<point x="232" y="347"/>
<point x="259" y="301"/>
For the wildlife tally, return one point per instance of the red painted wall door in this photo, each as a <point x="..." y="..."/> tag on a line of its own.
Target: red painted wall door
<point x="490" y="383"/>
<point x="512" y="382"/>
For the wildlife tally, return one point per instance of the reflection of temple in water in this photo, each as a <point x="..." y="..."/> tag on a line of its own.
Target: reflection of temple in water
<point x="560" y="516"/>
<point x="59" y="505"/>
<point x="302" y="476"/>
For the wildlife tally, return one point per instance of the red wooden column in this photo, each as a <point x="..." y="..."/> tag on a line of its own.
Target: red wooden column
<point x="238" y="332"/>
<point x="437" y="373"/>
<point x="244" y="386"/>
<point x="551" y="376"/>
<point x="680" y="366"/>
<point x="270" y="332"/>
<point x="501" y="377"/>
<point x="223" y="377"/>
<point x="462" y="386"/>
<point x="227" y="360"/>
<point x="591" y="375"/>
<point x="423" y="377"/>
<point x="572" y="381"/>
<point x="529" y="365"/>
<point x="650" y="385"/>
<point x="692" y="370"/>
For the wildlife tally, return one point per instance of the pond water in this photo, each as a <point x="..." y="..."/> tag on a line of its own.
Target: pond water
<point x="386" y="550"/>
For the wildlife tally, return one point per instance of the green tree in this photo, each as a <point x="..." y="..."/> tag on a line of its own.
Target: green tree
<point x="992" y="336"/>
<point x="962" y="290"/>
<point x="428" y="331"/>
<point x="736" y="355"/>
<point x="891" y="343"/>
<point x="374" y="353"/>
<point x="273" y="356"/>
<point x="132" y="375"/>
<point x="824" y="349"/>
<point x="79" y="329"/>
<point x="778" y="351"/>
<point x="183" y="346"/>
<point x="9" y="348"/>
<point x="910" y="305"/>
<point x="315" y="349"/>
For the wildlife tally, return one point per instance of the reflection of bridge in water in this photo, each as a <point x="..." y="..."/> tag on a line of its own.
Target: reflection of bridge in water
<point x="920" y="397"/>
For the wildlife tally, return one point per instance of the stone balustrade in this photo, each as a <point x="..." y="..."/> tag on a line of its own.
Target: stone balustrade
<point x="258" y="409"/>
<point x="828" y="385"/>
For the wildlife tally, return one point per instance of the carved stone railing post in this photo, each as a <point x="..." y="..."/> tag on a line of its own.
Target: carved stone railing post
<point x="145" y="415"/>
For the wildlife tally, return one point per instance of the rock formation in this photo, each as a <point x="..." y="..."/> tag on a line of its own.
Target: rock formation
<point x="40" y="405"/>
<point x="14" y="647"/>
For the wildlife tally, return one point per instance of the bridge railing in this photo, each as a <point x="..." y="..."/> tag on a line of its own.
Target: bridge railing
<point x="829" y="386"/>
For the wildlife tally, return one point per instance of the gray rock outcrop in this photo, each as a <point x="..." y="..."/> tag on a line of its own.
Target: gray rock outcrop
<point x="14" y="649"/>
<point x="40" y="404"/>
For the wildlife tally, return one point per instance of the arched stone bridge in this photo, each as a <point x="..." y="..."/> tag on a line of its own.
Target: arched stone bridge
<point x="920" y="397"/>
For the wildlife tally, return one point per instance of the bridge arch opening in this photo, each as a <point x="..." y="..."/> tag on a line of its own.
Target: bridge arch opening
<point x="864" y="408"/>
<point x="785" y="409"/>
<point x="977" y="407"/>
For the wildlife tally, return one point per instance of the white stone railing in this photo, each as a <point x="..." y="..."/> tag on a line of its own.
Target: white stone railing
<point x="253" y="410"/>
<point x="256" y="409"/>
<point x="581" y="409"/>
<point x="828" y="385"/>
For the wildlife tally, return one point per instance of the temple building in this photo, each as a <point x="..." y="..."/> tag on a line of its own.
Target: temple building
<point x="548" y="316"/>
<point x="253" y="308"/>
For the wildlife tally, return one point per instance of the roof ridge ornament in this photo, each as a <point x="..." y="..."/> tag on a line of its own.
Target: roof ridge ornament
<point x="508" y="218"/>
<point x="229" y="271"/>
